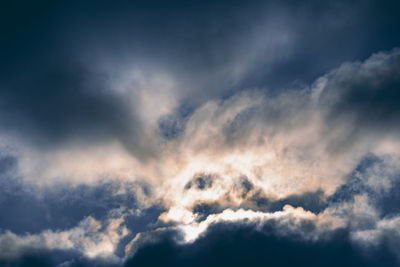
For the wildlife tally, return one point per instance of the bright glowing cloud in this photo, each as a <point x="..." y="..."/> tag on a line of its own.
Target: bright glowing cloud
<point x="168" y="135"/>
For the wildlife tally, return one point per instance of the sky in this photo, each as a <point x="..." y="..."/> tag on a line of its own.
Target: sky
<point x="200" y="133"/>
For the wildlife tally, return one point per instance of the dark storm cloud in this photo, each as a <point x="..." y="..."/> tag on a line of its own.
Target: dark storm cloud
<point x="236" y="245"/>
<point x="40" y="258"/>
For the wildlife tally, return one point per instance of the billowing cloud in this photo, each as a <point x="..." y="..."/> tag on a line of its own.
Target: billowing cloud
<point x="128" y="137"/>
<point x="244" y="160"/>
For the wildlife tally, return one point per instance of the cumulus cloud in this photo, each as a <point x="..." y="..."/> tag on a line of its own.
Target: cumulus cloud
<point x="182" y="131"/>
<point x="90" y="238"/>
<point x="285" y="145"/>
<point x="241" y="156"/>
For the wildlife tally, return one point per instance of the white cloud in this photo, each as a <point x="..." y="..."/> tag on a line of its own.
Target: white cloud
<point x="88" y="238"/>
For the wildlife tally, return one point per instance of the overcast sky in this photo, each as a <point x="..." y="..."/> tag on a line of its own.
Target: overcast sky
<point x="200" y="133"/>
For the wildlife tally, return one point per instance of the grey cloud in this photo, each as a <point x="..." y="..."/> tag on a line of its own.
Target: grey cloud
<point x="57" y="60"/>
<point x="363" y="98"/>
<point x="63" y="104"/>
<point x="304" y="161"/>
<point x="62" y="207"/>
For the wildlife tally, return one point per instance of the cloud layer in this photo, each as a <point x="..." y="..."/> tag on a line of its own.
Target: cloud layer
<point x="121" y="138"/>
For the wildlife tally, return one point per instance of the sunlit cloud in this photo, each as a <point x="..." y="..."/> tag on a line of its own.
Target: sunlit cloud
<point x="176" y="132"/>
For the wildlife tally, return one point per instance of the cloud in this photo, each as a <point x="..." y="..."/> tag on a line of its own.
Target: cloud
<point x="238" y="245"/>
<point x="362" y="98"/>
<point x="92" y="74"/>
<point x="90" y="238"/>
<point x="271" y="142"/>
<point x="118" y="135"/>
<point x="245" y="159"/>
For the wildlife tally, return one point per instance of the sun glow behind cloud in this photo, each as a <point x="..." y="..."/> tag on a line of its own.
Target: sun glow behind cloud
<point x="231" y="154"/>
<point x="248" y="119"/>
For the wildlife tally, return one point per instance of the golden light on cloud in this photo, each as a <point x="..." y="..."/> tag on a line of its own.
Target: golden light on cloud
<point x="281" y="161"/>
